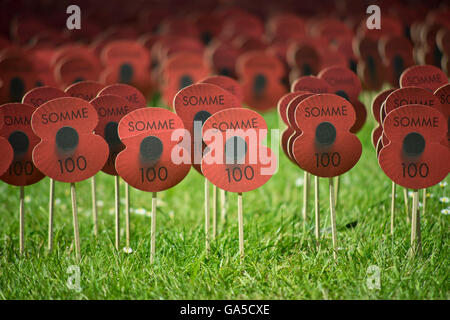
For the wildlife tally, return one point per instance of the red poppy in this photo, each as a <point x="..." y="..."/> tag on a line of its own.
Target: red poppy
<point x="222" y="57"/>
<point x="110" y="109"/>
<point x="443" y="94"/>
<point x="40" y="95"/>
<point x="5" y="149"/>
<point x="377" y="102"/>
<point x="415" y="157"/>
<point x="68" y="151"/>
<point x="134" y="97"/>
<point x="326" y="147"/>
<point x="292" y="107"/>
<point x="397" y="54"/>
<point x="304" y="58"/>
<point x="260" y="77"/>
<point x="283" y="27"/>
<point x="283" y="104"/>
<point x="226" y="83"/>
<point x="146" y="163"/>
<point x="17" y="75"/>
<point x="237" y="160"/>
<point x="285" y="135"/>
<point x="311" y="84"/>
<point x="426" y="76"/>
<point x="86" y="90"/>
<point x="17" y="129"/>
<point x="198" y="102"/>
<point x="74" y="69"/>
<point x="180" y="71"/>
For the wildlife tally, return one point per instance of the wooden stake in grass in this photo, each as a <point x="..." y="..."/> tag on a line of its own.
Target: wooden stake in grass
<point x="424" y="200"/>
<point x="317" y="208"/>
<point x="405" y="198"/>
<point x="153" y="229"/>
<point x="214" y="212"/>
<point x="393" y="207"/>
<point x="94" y="205"/>
<point x="75" y="220"/>
<point x="336" y="191"/>
<point x="22" y="219"/>
<point x="207" y="217"/>
<point x="333" y="219"/>
<point x="127" y="214"/>
<point x="117" y="210"/>
<point x="223" y="205"/>
<point x="416" y="245"/>
<point x="50" y="214"/>
<point x="305" y="195"/>
<point x="241" y="226"/>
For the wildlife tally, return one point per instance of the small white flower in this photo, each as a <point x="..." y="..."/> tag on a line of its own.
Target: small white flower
<point x="445" y="211"/>
<point x="27" y="199"/>
<point x="444" y="199"/>
<point x="127" y="250"/>
<point x="410" y="194"/>
<point x="299" y="182"/>
<point x="58" y="201"/>
<point x="420" y="204"/>
<point x="171" y="214"/>
<point x="100" y="203"/>
<point x="443" y="184"/>
<point x="140" y="211"/>
<point x="112" y="211"/>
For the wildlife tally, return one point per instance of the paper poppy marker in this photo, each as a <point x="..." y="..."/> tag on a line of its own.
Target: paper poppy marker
<point x="21" y="172"/>
<point x="234" y="88"/>
<point x="36" y="97"/>
<point x="194" y="104"/>
<point x="134" y="97"/>
<point x="260" y="77"/>
<point x="425" y="76"/>
<point x="69" y="151"/>
<point x="88" y="90"/>
<point x="326" y="147"/>
<point x="237" y="161"/>
<point x="415" y="158"/>
<point x="146" y="163"/>
<point x="6" y="151"/>
<point x="111" y="109"/>
<point x="443" y="94"/>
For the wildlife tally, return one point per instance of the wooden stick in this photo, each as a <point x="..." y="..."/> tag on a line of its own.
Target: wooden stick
<point x="393" y="207"/>
<point x="305" y="195"/>
<point x="94" y="205"/>
<point x="214" y="213"/>
<point x="317" y="208"/>
<point x="336" y="191"/>
<point x="333" y="218"/>
<point x="241" y="226"/>
<point x="75" y="220"/>
<point x="207" y="217"/>
<point x="223" y="204"/>
<point x="416" y="247"/>
<point x="50" y="214"/>
<point x="418" y="230"/>
<point x="405" y="198"/>
<point x="117" y="207"/>
<point x="22" y="219"/>
<point x="424" y="200"/>
<point x="127" y="214"/>
<point x="153" y="229"/>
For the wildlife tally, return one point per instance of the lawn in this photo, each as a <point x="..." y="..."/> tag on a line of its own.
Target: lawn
<point x="282" y="260"/>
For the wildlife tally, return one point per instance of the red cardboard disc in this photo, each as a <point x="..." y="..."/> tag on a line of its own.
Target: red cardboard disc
<point x="198" y="102"/>
<point x="17" y="75"/>
<point x="180" y="71"/>
<point x="443" y="94"/>
<point x="427" y="77"/>
<point x="74" y="69"/>
<point x="86" y="90"/>
<point x="284" y="142"/>
<point x="376" y="135"/>
<point x="377" y="101"/>
<point x="5" y="149"/>
<point x="260" y="77"/>
<point x="226" y="83"/>
<point x="68" y="151"/>
<point x="397" y="54"/>
<point x="40" y="95"/>
<point x="134" y="97"/>
<point x="311" y="84"/>
<point x="326" y="147"/>
<point x="237" y="160"/>
<point x="286" y="26"/>
<point x="305" y="58"/>
<point x="291" y="109"/>
<point x="146" y="163"/>
<point x="283" y="104"/>
<point x="415" y="157"/>
<point x="111" y="109"/>
<point x="17" y="130"/>
<point x="361" y="115"/>
<point x="343" y="82"/>
<point x="223" y="57"/>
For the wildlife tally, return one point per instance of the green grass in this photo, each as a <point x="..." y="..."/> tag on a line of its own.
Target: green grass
<point x="282" y="260"/>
